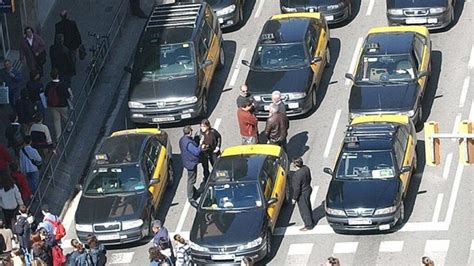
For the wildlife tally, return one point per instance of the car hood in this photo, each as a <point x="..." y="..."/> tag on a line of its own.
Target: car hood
<point x="349" y="194"/>
<point x="308" y="3"/>
<point x="92" y="210"/>
<point x="417" y="3"/>
<point x="219" y="4"/>
<point x="382" y="98"/>
<point x="264" y="82"/>
<point x="217" y="228"/>
<point x="150" y="91"/>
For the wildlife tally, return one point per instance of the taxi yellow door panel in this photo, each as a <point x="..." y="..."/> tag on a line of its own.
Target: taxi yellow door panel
<point x="408" y="161"/>
<point x="424" y="66"/>
<point x="318" y="68"/>
<point x="278" y="193"/>
<point x="160" y="173"/>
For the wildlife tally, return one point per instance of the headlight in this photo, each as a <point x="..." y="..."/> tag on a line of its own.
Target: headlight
<point x="198" y="247"/>
<point x="288" y="9"/>
<point x="189" y="100"/>
<point x="396" y="12"/>
<point x="251" y="244"/>
<point x="410" y="113"/>
<point x="335" y="212"/>
<point x="226" y="10"/>
<point x="136" y="105"/>
<point x="336" y="6"/>
<point x="132" y="224"/>
<point x="257" y="98"/>
<point x="387" y="210"/>
<point x="437" y="10"/>
<point x="296" y="95"/>
<point x="84" y="228"/>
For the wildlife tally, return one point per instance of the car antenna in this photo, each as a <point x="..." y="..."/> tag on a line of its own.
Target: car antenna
<point x="380" y="102"/>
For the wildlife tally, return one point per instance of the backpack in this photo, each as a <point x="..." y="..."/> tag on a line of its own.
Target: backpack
<point x="18" y="136"/>
<point x="58" y="229"/>
<point x="53" y="95"/>
<point x="98" y="256"/>
<point x="58" y="257"/>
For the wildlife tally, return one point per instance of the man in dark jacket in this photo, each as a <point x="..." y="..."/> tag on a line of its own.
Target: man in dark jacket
<point x="12" y="79"/>
<point x="301" y="185"/>
<point x="277" y="126"/>
<point x="190" y="152"/>
<point x="57" y="95"/>
<point x="61" y="60"/>
<point x="14" y="134"/>
<point x="72" y="36"/>
<point x="26" y="109"/>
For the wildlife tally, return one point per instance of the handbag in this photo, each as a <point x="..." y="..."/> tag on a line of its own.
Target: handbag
<point x="82" y="52"/>
<point x="4" y="99"/>
<point x="33" y="161"/>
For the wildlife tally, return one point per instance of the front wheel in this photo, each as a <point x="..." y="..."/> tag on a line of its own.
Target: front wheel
<point x="221" y="63"/>
<point x="401" y="218"/>
<point x="170" y="174"/>
<point x="204" y="105"/>
<point x="269" y="244"/>
<point x="328" y="56"/>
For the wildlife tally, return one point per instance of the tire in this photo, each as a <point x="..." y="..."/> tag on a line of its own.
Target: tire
<point x="221" y="63"/>
<point x="328" y="56"/>
<point x="150" y="223"/>
<point x="314" y="97"/>
<point x="419" y="118"/>
<point x="204" y="108"/>
<point x="287" y="195"/>
<point x="268" y="244"/>
<point x="241" y="15"/>
<point x="402" y="214"/>
<point x="170" y="183"/>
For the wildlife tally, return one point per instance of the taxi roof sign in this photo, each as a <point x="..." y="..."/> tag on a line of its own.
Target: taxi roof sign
<point x="101" y="158"/>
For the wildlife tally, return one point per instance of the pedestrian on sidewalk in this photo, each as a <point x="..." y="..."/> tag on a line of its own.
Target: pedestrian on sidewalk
<point x="20" y="180"/>
<point x="72" y="36"/>
<point x="14" y="134"/>
<point x="7" y="235"/>
<point x="12" y="79"/>
<point x="26" y="109"/>
<point x="10" y="198"/>
<point x="40" y="249"/>
<point x="97" y="251"/>
<point x="30" y="160"/>
<point x="426" y="261"/>
<point x="277" y="99"/>
<point x="41" y="137"/>
<point x="61" y="59"/>
<point x="36" y="92"/>
<point x="58" y="94"/>
<point x="332" y="261"/>
<point x="5" y="158"/>
<point x="190" y="152"/>
<point x="248" y="123"/>
<point x="157" y="258"/>
<point x="276" y="129"/>
<point x="301" y="185"/>
<point x="244" y="94"/>
<point x="136" y="10"/>
<point x="182" y="251"/>
<point x="33" y="51"/>
<point x="23" y="228"/>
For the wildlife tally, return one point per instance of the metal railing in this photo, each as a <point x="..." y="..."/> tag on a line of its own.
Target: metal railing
<point x="96" y="64"/>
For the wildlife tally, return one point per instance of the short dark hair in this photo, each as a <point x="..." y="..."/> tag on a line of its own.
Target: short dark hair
<point x="54" y="73"/>
<point x="246" y="102"/>
<point x="187" y="130"/>
<point x="27" y="139"/>
<point x="28" y="28"/>
<point x="37" y="117"/>
<point x="298" y="161"/>
<point x="45" y="207"/>
<point x="12" y="117"/>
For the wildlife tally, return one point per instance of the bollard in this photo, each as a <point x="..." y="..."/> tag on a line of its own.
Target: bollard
<point x="432" y="145"/>
<point x="466" y="145"/>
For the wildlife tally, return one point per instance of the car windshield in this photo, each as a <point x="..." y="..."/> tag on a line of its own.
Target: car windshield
<point x="115" y="179"/>
<point x="365" y="165"/>
<point x="385" y="68"/>
<point x="280" y="56"/>
<point x="165" y="61"/>
<point x="232" y="196"/>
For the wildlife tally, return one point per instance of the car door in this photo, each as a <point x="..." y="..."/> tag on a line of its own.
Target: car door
<point x="150" y="157"/>
<point x="422" y="51"/>
<point x="209" y="48"/>
<point x="276" y="175"/>
<point x="319" y="34"/>
<point x="404" y="149"/>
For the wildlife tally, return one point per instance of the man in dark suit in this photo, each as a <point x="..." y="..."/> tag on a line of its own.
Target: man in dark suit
<point x="72" y="36"/>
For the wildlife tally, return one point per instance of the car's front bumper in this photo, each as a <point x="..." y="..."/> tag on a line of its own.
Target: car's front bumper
<point x="332" y="16"/>
<point x="211" y="257"/>
<point x="380" y="223"/>
<point x="116" y="238"/>
<point x="229" y="20"/>
<point x="430" y="21"/>
<point x="293" y="107"/>
<point x="164" y="115"/>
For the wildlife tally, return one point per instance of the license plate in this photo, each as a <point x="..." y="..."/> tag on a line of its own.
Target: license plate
<point x="432" y="20"/>
<point x="223" y="257"/>
<point x="293" y="105"/>
<point x="416" y="20"/>
<point x="329" y="18"/>
<point x="108" y="237"/>
<point x="162" y="119"/>
<point x="360" y="221"/>
<point x="266" y="107"/>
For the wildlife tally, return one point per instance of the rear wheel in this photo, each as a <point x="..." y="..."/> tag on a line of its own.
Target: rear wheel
<point x="170" y="174"/>
<point x="314" y="96"/>
<point x="221" y="63"/>
<point x="268" y="244"/>
<point x="401" y="218"/>
<point x="419" y="117"/>
<point x="204" y="105"/>
<point x="328" y="56"/>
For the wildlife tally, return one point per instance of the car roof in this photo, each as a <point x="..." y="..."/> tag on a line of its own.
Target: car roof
<point x="256" y="149"/>
<point x="401" y="119"/>
<point x="390" y="42"/>
<point x="286" y="30"/>
<point x="370" y="136"/>
<point x="125" y="148"/>
<point x="238" y="168"/>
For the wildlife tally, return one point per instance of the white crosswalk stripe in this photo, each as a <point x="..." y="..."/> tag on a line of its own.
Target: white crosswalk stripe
<point x="345" y="247"/>
<point x="437" y="250"/>
<point x="391" y="246"/>
<point x="470" y="261"/>
<point x="298" y="254"/>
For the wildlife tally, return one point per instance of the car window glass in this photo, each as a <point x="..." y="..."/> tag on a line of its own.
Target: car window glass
<point x="365" y="165"/>
<point x="271" y="167"/>
<point x="232" y="196"/>
<point x="399" y="152"/>
<point x="115" y="179"/>
<point x="205" y="41"/>
<point x="403" y="136"/>
<point x="418" y="46"/>
<point x="385" y="68"/>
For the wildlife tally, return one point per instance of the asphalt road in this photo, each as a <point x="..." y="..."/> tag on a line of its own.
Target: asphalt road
<point x="440" y="199"/>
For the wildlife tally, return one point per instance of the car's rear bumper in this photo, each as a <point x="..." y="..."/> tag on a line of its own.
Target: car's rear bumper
<point x="430" y="21"/>
<point x="115" y="238"/>
<point x="205" y="258"/>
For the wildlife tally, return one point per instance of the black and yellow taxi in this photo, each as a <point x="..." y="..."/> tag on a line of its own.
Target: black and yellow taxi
<point x="125" y="185"/>
<point x="392" y="72"/>
<point x="175" y="60"/>
<point x="290" y="56"/>
<point x="334" y="11"/>
<point x="240" y="205"/>
<point x="372" y="174"/>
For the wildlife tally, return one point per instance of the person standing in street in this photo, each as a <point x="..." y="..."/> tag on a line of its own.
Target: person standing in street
<point x="12" y="79"/>
<point x="332" y="261"/>
<point x="276" y="129"/>
<point x="14" y="134"/>
<point x="426" y="261"/>
<point x="248" y="123"/>
<point x="244" y="94"/>
<point x="210" y="140"/>
<point x="301" y="185"/>
<point x="57" y="95"/>
<point x="182" y="251"/>
<point x="136" y="9"/>
<point x="10" y="198"/>
<point x="190" y="152"/>
<point x="7" y="235"/>
<point x="276" y="99"/>
<point x="26" y="109"/>
<point x="30" y="160"/>
<point x="33" y="51"/>
<point x="61" y="59"/>
<point x="72" y="36"/>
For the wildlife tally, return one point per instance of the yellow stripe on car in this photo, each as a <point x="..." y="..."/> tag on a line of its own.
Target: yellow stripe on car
<point x="314" y="15"/>
<point x="401" y="119"/>
<point x="264" y="149"/>
<point x="137" y="131"/>
<point x="419" y="29"/>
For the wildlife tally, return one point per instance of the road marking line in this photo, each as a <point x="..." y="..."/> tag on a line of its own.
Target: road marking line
<point x="237" y="67"/>
<point x="437" y="209"/>
<point x="332" y="133"/>
<point x="179" y="227"/>
<point x="437" y="250"/>
<point x="471" y="113"/>
<point x="71" y="211"/>
<point x="471" y="59"/>
<point x="465" y="88"/>
<point x="354" y="59"/>
<point x="345" y="247"/>
<point x="313" y="195"/>
<point x="424" y="227"/>
<point x="217" y="123"/>
<point x="470" y="261"/>
<point x="370" y="8"/>
<point x="121" y="258"/>
<point x="391" y="246"/>
<point x="457" y="120"/>
<point x="259" y="9"/>
<point x="300" y="249"/>
<point x="454" y="193"/>
<point x="447" y="165"/>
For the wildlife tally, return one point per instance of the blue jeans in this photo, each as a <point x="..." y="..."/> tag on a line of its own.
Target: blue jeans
<point x="32" y="178"/>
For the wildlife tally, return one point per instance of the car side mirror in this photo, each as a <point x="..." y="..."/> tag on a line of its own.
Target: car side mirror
<point x="245" y="63"/>
<point x="206" y="63"/>
<point x="127" y="69"/>
<point x="154" y="181"/>
<point x="194" y="204"/>
<point x="423" y="74"/>
<point x="328" y="171"/>
<point x="349" y="76"/>
<point x="316" y="59"/>
<point x="406" y="169"/>
<point x="272" y="201"/>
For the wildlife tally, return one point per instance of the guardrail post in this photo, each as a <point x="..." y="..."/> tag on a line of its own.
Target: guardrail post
<point x="432" y="145"/>
<point x="466" y="145"/>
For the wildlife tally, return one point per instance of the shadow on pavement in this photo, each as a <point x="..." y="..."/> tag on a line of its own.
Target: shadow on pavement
<point x="432" y="86"/>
